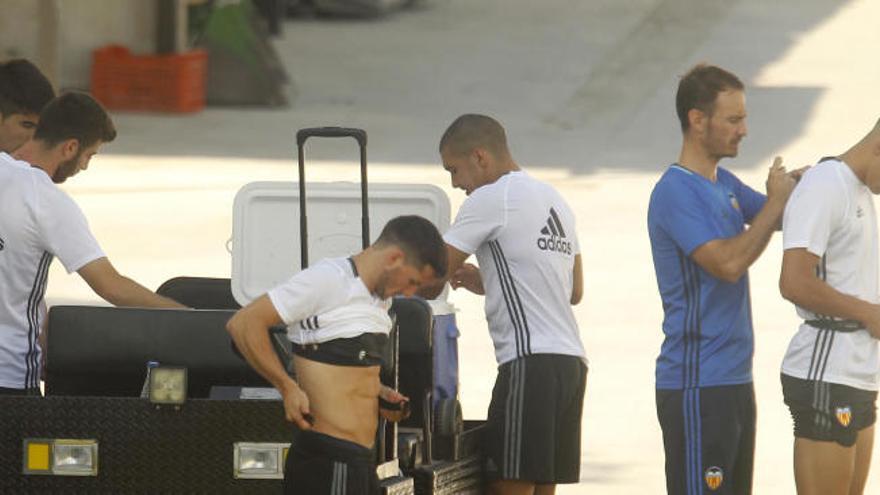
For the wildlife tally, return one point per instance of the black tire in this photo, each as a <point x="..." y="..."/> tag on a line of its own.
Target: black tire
<point x="447" y="417"/>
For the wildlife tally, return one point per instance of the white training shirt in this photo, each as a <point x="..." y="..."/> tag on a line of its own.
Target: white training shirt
<point x="38" y="221"/>
<point x="523" y="234"/>
<point x="329" y="301"/>
<point x="831" y="214"/>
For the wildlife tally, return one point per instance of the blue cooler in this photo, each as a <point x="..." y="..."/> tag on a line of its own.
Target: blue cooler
<point x="445" y="340"/>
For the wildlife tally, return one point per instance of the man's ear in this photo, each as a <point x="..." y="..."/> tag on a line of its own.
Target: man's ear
<point x="69" y="148"/>
<point x="697" y="119"/>
<point x="481" y="157"/>
<point x="394" y="257"/>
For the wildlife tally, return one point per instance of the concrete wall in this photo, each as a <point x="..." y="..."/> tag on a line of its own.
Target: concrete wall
<point x="59" y="35"/>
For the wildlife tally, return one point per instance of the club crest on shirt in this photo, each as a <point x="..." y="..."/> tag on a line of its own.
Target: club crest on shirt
<point x="859" y="212"/>
<point x="733" y="201"/>
<point x="844" y="415"/>
<point x="714" y="477"/>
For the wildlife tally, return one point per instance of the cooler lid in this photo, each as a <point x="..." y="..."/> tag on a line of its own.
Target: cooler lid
<point x="265" y="225"/>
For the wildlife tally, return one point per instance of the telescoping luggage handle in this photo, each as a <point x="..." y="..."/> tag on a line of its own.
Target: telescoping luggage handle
<point x="302" y="135"/>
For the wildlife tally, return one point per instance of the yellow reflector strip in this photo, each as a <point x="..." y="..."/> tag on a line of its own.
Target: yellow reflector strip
<point x="38" y="456"/>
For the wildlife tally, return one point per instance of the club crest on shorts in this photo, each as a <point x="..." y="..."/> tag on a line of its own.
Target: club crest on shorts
<point x="714" y="477"/>
<point x="844" y="416"/>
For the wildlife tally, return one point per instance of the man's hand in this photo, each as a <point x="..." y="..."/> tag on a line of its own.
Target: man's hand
<point x="872" y="322"/>
<point x="779" y="183"/>
<point x="797" y="173"/>
<point x="393" y="397"/>
<point x="296" y="406"/>
<point x="468" y="276"/>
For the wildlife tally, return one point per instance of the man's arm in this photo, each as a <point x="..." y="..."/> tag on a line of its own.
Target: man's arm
<point x="798" y="283"/>
<point x="729" y="259"/>
<point x="577" y="290"/>
<point x="468" y="276"/>
<point x="455" y="260"/>
<point x="249" y="328"/>
<point x="119" y="290"/>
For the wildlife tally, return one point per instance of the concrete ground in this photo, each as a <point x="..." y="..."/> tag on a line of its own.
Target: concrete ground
<point x="585" y="89"/>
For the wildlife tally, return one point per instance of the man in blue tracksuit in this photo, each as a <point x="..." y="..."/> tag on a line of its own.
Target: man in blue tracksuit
<point x="702" y="251"/>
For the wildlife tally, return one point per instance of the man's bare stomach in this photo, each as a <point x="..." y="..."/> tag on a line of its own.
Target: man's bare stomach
<point x="344" y="400"/>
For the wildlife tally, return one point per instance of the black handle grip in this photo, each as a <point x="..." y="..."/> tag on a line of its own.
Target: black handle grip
<point x="359" y="134"/>
<point x="301" y="136"/>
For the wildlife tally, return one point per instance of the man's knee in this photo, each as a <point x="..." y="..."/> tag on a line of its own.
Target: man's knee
<point x="545" y="489"/>
<point x="511" y="487"/>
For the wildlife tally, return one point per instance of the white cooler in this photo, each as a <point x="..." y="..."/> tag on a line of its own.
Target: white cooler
<point x="266" y="243"/>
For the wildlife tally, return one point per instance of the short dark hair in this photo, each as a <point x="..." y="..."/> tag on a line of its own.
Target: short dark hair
<point x="23" y="88"/>
<point x="420" y="241"/>
<point x="700" y="87"/>
<point x="74" y="116"/>
<point x="472" y="130"/>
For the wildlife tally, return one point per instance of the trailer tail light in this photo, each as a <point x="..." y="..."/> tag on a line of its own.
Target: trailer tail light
<point x="259" y="460"/>
<point x="60" y="457"/>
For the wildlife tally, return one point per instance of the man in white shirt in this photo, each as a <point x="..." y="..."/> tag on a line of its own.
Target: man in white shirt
<point x="524" y="237"/>
<point x="39" y="221"/>
<point x="831" y="370"/>
<point x="336" y="313"/>
<point x="24" y="91"/>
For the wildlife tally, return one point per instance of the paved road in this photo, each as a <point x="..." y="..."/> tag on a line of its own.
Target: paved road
<point x="585" y="89"/>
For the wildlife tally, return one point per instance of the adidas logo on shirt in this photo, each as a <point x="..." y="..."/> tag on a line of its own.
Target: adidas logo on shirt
<point x="553" y="236"/>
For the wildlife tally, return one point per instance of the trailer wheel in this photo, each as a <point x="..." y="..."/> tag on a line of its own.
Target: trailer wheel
<point x="447" y="417"/>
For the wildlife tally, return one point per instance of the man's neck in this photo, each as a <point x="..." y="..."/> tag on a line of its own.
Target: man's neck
<point x="854" y="160"/>
<point x="368" y="270"/>
<point x="696" y="159"/>
<point x="33" y="153"/>
<point x="504" y="169"/>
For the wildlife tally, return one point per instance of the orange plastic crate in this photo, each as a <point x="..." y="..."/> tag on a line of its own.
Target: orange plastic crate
<point x="165" y="83"/>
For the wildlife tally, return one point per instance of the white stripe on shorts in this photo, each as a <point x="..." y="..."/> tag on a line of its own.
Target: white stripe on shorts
<point x="513" y="421"/>
<point x="340" y="478"/>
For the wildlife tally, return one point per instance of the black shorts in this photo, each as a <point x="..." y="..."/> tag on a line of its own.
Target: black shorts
<point x="319" y="464"/>
<point x="828" y="412"/>
<point x="534" y="428"/>
<point x="709" y="438"/>
<point x="34" y="392"/>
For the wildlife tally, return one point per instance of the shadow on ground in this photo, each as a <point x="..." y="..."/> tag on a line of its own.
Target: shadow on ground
<point x="585" y="86"/>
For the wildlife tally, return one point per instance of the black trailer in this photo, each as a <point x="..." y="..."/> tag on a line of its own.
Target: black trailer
<point x="209" y="423"/>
